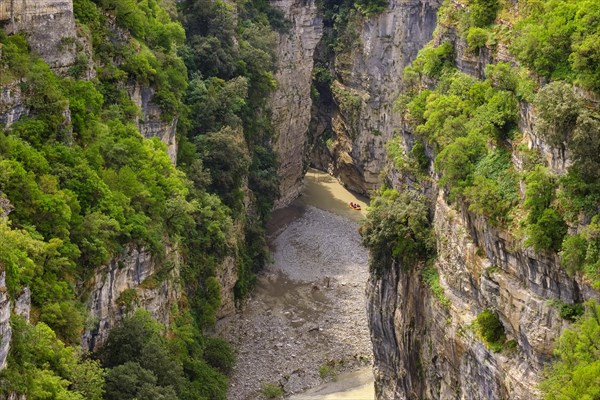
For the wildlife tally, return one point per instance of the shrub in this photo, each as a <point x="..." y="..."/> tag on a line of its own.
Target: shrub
<point x="397" y="229"/>
<point x="326" y="371"/>
<point x="571" y="312"/>
<point x="483" y="12"/>
<point x="490" y="329"/>
<point x="371" y="7"/>
<point x="476" y="38"/>
<point x="548" y="232"/>
<point x="219" y="354"/>
<point x="574" y="374"/>
<point x="557" y="111"/>
<point x="271" y="391"/>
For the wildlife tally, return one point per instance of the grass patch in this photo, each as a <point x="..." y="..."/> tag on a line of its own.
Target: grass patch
<point x="431" y="277"/>
<point x="272" y="391"/>
<point x="326" y="371"/>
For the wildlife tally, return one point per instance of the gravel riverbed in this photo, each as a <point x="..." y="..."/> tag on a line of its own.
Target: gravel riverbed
<point x="306" y="321"/>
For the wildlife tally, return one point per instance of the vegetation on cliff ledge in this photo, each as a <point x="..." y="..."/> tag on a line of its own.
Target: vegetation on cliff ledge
<point x="576" y="374"/>
<point x="398" y="230"/>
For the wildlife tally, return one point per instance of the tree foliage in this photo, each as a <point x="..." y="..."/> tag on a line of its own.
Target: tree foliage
<point x="575" y="375"/>
<point x="397" y="230"/>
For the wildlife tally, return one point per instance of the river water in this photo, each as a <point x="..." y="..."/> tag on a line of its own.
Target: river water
<point x="304" y="329"/>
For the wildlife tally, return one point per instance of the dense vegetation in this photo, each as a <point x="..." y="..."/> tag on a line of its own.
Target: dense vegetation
<point x="83" y="186"/>
<point x="469" y="126"/>
<point x="575" y="374"/>
<point x="398" y="230"/>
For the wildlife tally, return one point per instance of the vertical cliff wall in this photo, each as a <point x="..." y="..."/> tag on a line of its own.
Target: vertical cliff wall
<point x="50" y="25"/>
<point x="428" y="345"/>
<point x="367" y="79"/>
<point x="424" y="349"/>
<point x="131" y="281"/>
<point x="291" y="102"/>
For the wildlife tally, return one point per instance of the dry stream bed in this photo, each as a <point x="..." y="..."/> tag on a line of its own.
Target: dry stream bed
<point x="305" y="325"/>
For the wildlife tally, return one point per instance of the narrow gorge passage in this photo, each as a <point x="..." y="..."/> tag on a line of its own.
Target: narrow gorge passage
<point x="306" y="321"/>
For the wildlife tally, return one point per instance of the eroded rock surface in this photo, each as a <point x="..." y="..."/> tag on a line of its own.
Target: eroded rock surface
<point x="291" y="102"/>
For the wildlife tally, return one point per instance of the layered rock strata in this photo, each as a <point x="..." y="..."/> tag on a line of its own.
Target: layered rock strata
<point x="50" y="25"/>
<point x="131" y="281"/>
<point x="291" y="101"/>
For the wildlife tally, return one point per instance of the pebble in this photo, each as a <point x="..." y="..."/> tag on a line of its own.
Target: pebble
<point x="319" y="249"/>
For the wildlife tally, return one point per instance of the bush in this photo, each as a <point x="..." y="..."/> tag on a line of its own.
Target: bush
<point x="397" y="229"/>
<point x="476" y="38"/>
<point x="494" y="190"/>
<point x="490" y="329"/>
<point x="371" y="7"/>
<point x="574" y="375"/>
<point x="219" y="354"/>
<point x="483" y="12"/>
<point x="547" y="232"/>
<point x="557" y="111"/>
<point x="271" y="391"/>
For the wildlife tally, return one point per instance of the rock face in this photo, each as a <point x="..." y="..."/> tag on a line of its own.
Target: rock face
<point x="291" y="102"/>
<point x="5" y="331"/>
<point x="11" y="104"/>
<point x="227" y="275"/>
<point x="152" y="123"/>
<point x="424" y="349"/>
<point x="131" y="281"/>
<point x="372" y="75"/>
<point x="50" y="26"/>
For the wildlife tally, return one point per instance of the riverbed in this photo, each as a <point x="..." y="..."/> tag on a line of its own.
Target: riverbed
<point x="305" y="325"/>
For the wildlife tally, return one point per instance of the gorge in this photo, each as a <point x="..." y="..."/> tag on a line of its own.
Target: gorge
<point x="144" y="145"/>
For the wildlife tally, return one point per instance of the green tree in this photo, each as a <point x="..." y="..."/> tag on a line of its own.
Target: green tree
<point x="576" y="372"/>
<point x="398" y="230"/>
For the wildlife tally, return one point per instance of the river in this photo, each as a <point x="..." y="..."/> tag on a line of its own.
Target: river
<point x="304" y="329"/>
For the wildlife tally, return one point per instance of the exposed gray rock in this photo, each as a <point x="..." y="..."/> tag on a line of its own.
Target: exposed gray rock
<point x="23" y="304"/>
<point x="135" y="272"/>
<point x="50" y="25"/>
<point x="388" y="42"/>
<point x="11" y="104"/>
<point x="151" y="123"/>
<point x="5" y="331"/>
<point x="227" y="274"/>
<point x="291" y="102"/>
<point x="426" y="350"/>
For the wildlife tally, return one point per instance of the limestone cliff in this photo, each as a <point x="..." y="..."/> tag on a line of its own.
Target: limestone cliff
<point x="291" y="102"/>
<point x="133" y="280"/>
<point x="151" y="123"/>
<point x="50" y="25"/>
<point x="5" y="331"/>
<point x="367" y="81"/>
<point x="425" y="348"/>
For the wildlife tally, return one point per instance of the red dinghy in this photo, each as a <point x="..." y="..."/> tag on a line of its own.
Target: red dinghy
<point x="355" y="207"/>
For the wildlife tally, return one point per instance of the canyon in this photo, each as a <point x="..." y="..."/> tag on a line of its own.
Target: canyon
<point x="422" y="348"/>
